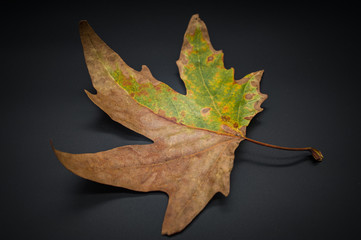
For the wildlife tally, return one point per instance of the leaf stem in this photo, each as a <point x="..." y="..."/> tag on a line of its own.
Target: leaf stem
<point x="317" y="155"/>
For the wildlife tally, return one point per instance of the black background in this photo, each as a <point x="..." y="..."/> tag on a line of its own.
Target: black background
<point x="311" y="57"/>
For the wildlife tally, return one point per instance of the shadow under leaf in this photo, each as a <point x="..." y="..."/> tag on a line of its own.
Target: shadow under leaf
<point x="104" y="124"/>
<point x="88" y="194"/>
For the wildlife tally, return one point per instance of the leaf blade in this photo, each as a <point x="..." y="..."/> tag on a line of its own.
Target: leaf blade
<point x="192" y="153"/>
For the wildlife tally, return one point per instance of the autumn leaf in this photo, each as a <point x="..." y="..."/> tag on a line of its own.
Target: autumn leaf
<point x="195" y="135"/>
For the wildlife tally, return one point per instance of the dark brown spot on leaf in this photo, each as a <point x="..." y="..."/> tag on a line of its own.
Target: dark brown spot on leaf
<point x="255" y="83"/>
<point x="205" y="111"/>
<point x="235" y="125"/>
<point x="249" y="96"/>
<point x="225" y="118"/>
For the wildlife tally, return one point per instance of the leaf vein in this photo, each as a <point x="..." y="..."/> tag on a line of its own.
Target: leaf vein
<point x="176" y="158"/>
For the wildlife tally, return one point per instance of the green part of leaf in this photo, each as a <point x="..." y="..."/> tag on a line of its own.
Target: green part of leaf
<point x="214" y="100"/>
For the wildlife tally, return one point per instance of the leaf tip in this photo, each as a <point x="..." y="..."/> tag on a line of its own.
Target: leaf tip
<point x="168" y="231"/>
<point x="53" y="148"/>
<point x="83" y="26"/>
<point x="82" y="22"/>
<point x="51" y="144"/>
<point x="195" y="16"/>
<point x="87" y="92"/>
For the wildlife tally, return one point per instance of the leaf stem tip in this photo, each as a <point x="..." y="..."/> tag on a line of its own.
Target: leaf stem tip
<point x="317" y="155"/>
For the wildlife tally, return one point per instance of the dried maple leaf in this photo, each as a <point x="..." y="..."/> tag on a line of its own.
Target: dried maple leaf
<point x="195" y="135"/>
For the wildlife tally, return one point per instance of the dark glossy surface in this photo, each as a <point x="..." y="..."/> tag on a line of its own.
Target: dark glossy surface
<point x="311" y="58"/>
